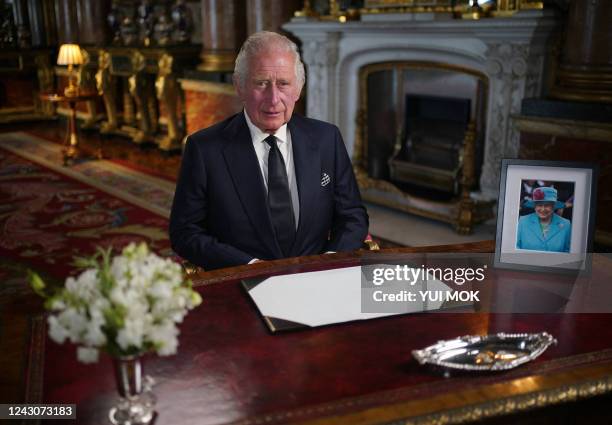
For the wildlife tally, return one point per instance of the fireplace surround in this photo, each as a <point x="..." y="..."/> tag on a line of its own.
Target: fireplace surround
<point x="510" y="53"/>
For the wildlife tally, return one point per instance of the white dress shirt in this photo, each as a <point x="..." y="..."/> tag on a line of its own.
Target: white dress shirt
<point x="262" y="149"/>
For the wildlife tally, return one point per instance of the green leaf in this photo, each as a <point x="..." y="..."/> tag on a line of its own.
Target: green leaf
<point x="188" y="283"/>
<point x="49" y="302"/>
<point x="196" y="298"/>
<point x="104" y="273"/>
<point x="114" y="317"/>
<point x="37" y="284"/>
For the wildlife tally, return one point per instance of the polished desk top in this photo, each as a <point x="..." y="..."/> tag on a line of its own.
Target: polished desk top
<point x="231" y="369"/>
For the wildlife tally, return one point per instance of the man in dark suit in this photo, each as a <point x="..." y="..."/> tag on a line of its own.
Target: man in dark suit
<point x="265" y="183"/>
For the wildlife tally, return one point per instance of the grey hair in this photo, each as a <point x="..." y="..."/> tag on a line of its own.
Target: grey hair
<point x="266" y="41"/>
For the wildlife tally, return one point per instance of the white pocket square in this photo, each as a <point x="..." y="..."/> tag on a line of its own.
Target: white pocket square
<point x="325" y="179"/>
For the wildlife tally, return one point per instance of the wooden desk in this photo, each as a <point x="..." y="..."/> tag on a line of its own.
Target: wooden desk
<point x="230" y="369"/>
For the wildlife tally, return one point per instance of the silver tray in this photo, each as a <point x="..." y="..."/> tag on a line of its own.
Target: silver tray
<point x="485" y="353"/>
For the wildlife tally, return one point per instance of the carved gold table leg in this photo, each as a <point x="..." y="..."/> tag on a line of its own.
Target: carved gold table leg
<point x="71" y="149"/>
<point x="86" y="81"/>
<point x="106" y="88"/>
<point x="167" y="93"/>
<point x="129" y="115"/>
<point x="465" y="219"/>
<point x="138" y="91"/>
<point x="138" y="87"/>
<point x="152" y="108"/>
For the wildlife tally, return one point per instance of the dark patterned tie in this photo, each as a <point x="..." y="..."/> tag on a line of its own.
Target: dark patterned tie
<point x="279" y="198"/>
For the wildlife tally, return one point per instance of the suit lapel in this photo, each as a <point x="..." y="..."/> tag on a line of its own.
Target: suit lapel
<point x="307" y="162"/>
<point x="243" y="166"/>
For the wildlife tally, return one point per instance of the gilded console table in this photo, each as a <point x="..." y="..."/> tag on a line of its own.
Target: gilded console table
<point x="145" y="79"/>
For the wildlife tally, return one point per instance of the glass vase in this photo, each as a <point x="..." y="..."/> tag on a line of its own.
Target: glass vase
<point x="136" y="403"/>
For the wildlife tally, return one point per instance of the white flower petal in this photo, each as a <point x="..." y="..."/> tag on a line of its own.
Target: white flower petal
<point x="87" y="354"/>
<point x="56" y="331"/>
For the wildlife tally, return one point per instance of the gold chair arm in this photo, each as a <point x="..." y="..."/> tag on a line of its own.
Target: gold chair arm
<point x="190" y="268"/>
<point x="371" y="244"/>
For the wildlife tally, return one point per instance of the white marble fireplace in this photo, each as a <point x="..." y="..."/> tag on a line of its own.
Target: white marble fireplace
<point x="509" y="51"/>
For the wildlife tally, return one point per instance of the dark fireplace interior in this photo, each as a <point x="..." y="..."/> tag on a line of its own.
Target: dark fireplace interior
<point x="433" y="130"/>
<point x="417" y="116"/>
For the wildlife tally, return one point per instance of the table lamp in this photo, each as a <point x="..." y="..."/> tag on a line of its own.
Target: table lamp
<point x="70" y="54"/>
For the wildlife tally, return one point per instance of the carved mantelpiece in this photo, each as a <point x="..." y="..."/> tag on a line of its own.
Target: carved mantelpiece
<point x="509" y="51"/>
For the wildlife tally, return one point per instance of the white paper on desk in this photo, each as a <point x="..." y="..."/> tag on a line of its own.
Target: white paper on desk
<point x="322" y="297"/>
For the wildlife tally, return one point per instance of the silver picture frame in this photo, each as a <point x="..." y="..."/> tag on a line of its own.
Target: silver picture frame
<point x="582" y="178"/>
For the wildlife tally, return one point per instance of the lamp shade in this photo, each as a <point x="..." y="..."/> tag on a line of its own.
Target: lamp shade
<point x="70" y="54"/>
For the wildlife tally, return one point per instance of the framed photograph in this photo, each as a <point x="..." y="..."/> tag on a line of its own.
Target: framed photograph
<point x="546" y="215"/>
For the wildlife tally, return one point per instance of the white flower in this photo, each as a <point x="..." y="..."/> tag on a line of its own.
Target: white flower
<point x="57" y="332"/>
<point x="160" y="290"/>
<point x="94" y="335"/>
<point x="71" y="284"/>
<point x="85" y="286"/>
<point x="57" y="304"/>
<point x="168" y="347"/>
<point x="87" y="354"/>
<point x="165" y="336"/>
<point x="131" y="334"/>
<point x="137" y="296"/>
<point x="118" y="269"/>
<point x="74" y="322"/>
<point x="97" y="308"/>
<point x="117" y="296"/>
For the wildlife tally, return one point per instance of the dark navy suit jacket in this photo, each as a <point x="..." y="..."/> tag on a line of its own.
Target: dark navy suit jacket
<point x="220" y="216"/>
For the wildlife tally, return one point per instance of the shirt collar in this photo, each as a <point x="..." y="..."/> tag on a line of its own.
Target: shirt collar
<point x="258" y="136"/>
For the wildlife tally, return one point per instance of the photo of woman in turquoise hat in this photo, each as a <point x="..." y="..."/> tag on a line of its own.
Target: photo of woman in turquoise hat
<point x="543" y="230"/>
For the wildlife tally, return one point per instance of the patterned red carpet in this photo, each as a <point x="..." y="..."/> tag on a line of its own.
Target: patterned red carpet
<point x="50" y="213"/>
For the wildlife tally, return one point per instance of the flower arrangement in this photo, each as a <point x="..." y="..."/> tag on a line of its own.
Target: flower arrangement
<point x="127" y="305"/>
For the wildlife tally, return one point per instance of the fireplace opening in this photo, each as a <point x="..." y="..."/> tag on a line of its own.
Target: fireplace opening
<point x="434" y="129"/>
<point x="420" y="136"/>
<point x="418" y="114"/>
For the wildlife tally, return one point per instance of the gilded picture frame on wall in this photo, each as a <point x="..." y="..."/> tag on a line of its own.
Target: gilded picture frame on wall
<point x="546" y="215"/>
